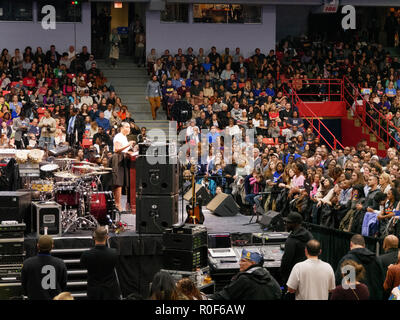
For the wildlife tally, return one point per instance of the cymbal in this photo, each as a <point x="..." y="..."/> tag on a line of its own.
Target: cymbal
<point x="103" y="169"/>
<point x="65" y="175"/>
<point x="64" y="159"/>
<point x="85" y="163"/>
<point x="97" y="173"/>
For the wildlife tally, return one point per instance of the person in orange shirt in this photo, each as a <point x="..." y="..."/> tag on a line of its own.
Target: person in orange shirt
<point x="122" y="112"/>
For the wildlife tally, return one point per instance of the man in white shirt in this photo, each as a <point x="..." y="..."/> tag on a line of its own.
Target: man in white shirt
<point x="312" y="279"/>
<point x="120" y="169"/>
<point x="86" y="99"/>
<point x="71" y="53"/>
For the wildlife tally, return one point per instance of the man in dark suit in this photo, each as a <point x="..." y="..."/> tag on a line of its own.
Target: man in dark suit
<point x="100" y="263"/>
<point x="391" y="247"/>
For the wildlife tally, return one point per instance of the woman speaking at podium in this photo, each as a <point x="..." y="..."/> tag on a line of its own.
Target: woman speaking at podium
<point x="120" y="162"/>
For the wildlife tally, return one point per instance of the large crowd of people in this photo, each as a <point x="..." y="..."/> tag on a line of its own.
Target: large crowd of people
<point x="51" y="100"/>
<point x="292" y="169"/>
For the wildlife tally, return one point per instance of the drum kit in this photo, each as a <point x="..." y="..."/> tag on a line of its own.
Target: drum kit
<point x="75" y="186"/>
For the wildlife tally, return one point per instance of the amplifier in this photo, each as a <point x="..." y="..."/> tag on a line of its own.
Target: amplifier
<point x="11" y="260"/>
<point x="10" y="273"/>
<point x="187" y="229"/>
<point x="48" y="215"/>
<point x="12" y="246"/>
<point x="269" y="237"/>
<point x="12" y="230"/>
<point x="185" y="260"/>
<point x="14" y="205"/>
<point x="184" y="241"/>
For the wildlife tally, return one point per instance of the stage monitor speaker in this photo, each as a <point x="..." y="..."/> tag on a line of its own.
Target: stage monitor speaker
<point x="15" y="206"/>
<point x="201" y="194"/>
<point x="223" y="205"/>
<point x="156" y="213"/>
<point x="48" y="215"/>
<point x="157" y="179"/>
<point x="272" y="220"/>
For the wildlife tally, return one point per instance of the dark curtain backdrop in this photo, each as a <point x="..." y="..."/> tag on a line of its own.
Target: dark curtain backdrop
<point x="140" y="258"/>
<point x="335" y="244"/>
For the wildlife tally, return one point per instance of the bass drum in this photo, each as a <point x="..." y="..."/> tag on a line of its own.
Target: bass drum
<point x="67" y="194"/>
<point x="101" y="205"/>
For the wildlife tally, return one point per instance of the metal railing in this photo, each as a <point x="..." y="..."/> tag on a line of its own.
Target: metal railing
<point x="318" y="89"/>
<point x="370" y="117"/>
<point x="296" y="101"/>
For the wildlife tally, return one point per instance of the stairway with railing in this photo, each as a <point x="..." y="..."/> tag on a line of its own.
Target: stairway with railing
<point x="364" y="120"/>
<point x="373" y="121"/>
<point x="314" y="120"/>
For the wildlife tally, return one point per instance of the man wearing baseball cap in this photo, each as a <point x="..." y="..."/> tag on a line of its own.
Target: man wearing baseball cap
<point x="295" y="244"/>
<point x="253" y="282"/>
<point x="43" y="277"/>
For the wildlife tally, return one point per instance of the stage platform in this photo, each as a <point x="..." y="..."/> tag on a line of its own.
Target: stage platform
<point x="141" y="255"/>
<point x="213" y="223"/>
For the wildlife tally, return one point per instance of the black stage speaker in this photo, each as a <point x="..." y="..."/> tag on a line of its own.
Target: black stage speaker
<point x="156" y="213"/>
<point x="223" y="205"/>
<point x="15" y="206"/>
<point x="201" y="194"/>
<point x="48" y="215"/>
<point x="272" y="220"/>
<point x="157" y="179"/>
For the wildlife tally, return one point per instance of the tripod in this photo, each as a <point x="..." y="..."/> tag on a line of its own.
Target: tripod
<point x="255" y="212"/>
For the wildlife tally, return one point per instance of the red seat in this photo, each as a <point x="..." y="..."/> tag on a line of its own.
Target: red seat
<point x="270" y="141"/>
<point x="86" y="143"/>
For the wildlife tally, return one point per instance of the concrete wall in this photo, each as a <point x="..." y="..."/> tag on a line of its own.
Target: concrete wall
<point x="291" y="20"/>
<point x="22" y="34"/>
<point x="172" y="36"/>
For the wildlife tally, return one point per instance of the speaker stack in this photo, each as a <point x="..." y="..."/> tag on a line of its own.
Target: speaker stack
<point x="185" y="248"/>
<point x="157" y="187"/>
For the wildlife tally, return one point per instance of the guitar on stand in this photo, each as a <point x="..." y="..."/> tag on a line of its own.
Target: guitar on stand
<point x="194" y="211"/>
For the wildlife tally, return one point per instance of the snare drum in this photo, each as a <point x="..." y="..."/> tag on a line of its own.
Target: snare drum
<point x="67" y="194"/>
<point x="102" y="204"/>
